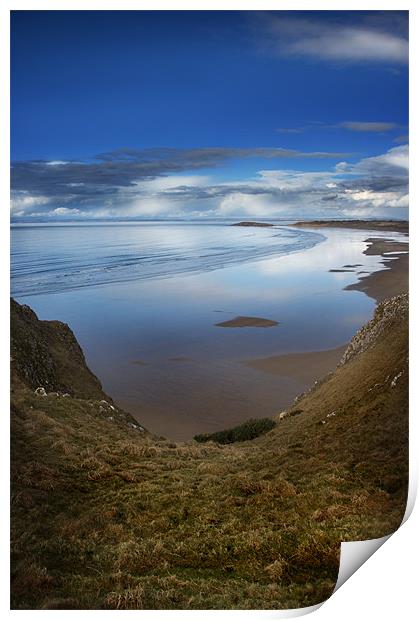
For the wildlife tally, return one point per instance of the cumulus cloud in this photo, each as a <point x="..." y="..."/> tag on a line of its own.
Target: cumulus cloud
<point x="118" y="177"/>
<point x="394" y="163"/>
<point x="239" y="203"/>
<point x="370" y="38"/>
<point x="377" y="185"/>
<point x="124" y="167"/>
<point x="378" y="199"/>
<point x="22" y="202"/>
<point x="65" y="211"/>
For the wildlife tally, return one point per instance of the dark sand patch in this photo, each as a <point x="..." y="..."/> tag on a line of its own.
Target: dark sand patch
<point x="303" y="367"/>
<point x="247" y="321"/>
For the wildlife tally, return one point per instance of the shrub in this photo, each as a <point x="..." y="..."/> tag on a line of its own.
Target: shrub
<point x="248" y="430"/>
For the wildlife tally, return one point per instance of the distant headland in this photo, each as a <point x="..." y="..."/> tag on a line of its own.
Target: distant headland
<point x="390" y="225"/>
<point x="257" y="224"/>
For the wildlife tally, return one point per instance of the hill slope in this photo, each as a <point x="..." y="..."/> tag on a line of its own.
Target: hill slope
<point x="106" y="516"/>
<point x="46" y="354"/>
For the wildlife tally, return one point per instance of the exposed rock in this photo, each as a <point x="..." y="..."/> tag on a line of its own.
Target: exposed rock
<point x="387" y="313"/>
<point x="396" y="378"/>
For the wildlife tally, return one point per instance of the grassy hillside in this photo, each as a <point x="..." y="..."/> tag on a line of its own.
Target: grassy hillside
<point x="106" y="516"/>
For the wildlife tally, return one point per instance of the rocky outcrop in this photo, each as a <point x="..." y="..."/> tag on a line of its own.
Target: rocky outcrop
<point x="387" y="313"/>
<point x="46" y="354"/>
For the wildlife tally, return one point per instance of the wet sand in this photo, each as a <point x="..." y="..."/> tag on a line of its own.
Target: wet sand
<point x="247" y="321"/>
<point x="304" y="367"/>
<point x="386" y="225"/>
<point x="393" y="279"/>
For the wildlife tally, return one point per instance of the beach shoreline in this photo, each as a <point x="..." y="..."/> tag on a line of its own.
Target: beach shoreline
<point x="183" y="368"/>
<point x="390" y="281"/>
<point x="277" y="377"/>
<point x="382" y="225"/>
<point x="382" y="284"/>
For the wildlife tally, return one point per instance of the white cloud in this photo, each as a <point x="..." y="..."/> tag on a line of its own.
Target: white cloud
<point x="374" y="186"/>
<point x="352" y="44"/>
<point x="23" y="201"/>
<point x="242" y="204"/>
<point x="160" y="184"/>
<point x="294" y="179"/>
<point x="395" y="161"/>
<point x="320" y="39"/>
<point x="65" y="211"/>
<point x="379" y="199"/>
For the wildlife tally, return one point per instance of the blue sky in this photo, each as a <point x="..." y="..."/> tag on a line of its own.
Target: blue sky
<point x="209" y="114"/>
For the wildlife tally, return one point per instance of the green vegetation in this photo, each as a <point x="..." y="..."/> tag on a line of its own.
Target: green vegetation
<point x="248" y="430"/>
<point x="105" y="516"/>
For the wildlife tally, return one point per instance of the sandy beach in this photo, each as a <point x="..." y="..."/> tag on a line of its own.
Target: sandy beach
<point x="392" y="280"/>
<point x="386" y="225"/>
<point x="304" y="367"/>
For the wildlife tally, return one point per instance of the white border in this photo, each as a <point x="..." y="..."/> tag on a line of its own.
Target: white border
<point x="386" y="585"/>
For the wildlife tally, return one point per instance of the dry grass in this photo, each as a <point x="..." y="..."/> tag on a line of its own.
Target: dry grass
<point x="104" y="517"/>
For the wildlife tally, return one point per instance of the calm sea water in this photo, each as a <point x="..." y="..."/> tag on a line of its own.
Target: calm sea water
<point x="143" y="300"/>
<point x="57" y="258"/>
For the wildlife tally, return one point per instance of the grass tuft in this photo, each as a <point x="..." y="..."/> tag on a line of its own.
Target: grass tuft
<point x="244" y="432"/>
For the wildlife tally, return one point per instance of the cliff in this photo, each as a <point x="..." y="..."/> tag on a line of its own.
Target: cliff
<point x="46" y="354"/>
<point x="389" y="314"/>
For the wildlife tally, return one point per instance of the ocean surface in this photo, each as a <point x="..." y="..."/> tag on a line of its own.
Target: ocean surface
<point x="57" y="258"/>
<point x="144" y="299"/>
